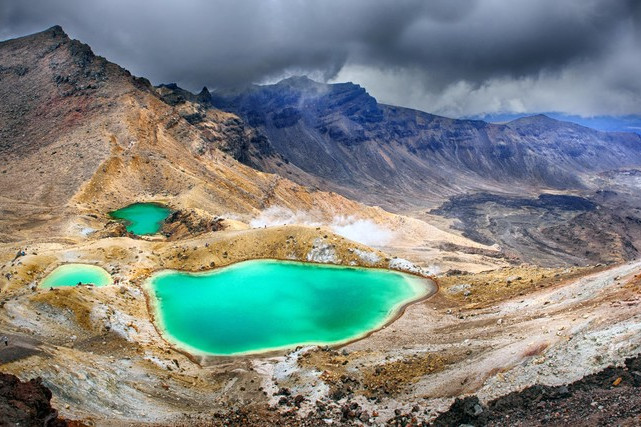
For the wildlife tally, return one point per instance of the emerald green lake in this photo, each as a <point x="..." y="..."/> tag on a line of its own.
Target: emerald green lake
<point x="261" y="305"/>
<point x="72" y="274"/>
<point x="142" y="218"/>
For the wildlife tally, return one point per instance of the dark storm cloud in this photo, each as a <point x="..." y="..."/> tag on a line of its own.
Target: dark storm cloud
<point x="414" y="52"/>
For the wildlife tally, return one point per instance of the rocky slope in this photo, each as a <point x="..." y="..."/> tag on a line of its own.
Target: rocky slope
<point x="604" y="398"/>
<point x="608" y="397"/>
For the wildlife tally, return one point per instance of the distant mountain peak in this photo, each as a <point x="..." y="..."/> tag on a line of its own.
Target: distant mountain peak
<point x="541" y="116"/>
<point x="540" y="119"/>
<point x="298" y="80"/>
<point x="311" y="88"/>
<point x="607" y="123"/>
<point x="535" y="117"/>
<point x="304" y="82"/>
<point x="301" y="83"/>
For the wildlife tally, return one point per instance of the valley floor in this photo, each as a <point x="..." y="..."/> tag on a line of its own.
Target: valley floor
<point x="486" y="334"/>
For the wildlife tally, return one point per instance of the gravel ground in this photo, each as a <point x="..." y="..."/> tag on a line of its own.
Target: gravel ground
<point x="609" y="397"/>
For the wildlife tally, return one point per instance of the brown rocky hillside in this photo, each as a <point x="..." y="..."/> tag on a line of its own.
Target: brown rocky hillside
<point x="81" y="135"/>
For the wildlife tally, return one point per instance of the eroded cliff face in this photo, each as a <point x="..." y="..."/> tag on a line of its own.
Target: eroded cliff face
<point x="339" y="138"/>
<point x="221" y="130"/>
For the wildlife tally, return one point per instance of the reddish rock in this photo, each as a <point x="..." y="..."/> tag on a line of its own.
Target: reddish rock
<point x="26" y="403"/>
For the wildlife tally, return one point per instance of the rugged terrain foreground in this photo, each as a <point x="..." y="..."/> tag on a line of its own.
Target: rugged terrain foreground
<point x="539" y="281"/>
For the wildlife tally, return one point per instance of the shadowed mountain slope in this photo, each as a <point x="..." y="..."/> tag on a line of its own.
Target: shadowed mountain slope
<point x="398" y="157"/>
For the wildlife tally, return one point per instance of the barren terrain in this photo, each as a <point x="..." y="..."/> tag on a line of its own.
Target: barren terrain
<point x="543" y="288"/>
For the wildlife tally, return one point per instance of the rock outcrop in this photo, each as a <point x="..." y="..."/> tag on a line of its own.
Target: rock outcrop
<point x="26" y="403"/>
<point x="181" y="224"/>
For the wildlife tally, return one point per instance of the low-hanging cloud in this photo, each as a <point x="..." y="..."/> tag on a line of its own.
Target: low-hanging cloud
<point x="364" y="231"/>
<point x="360" y="230"/>
<point x="445" y="56"/>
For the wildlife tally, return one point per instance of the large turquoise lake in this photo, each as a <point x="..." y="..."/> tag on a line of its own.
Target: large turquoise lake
<point x="142" y="218"/>
<point x="261" y="305"/>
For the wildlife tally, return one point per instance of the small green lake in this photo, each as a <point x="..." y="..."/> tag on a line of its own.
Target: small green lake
<point x="72" y="274"/>
<point x="261" y="305"/>
<point x="142" y="218"/>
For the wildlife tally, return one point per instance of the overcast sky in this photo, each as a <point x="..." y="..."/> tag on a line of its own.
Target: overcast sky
<point x="451" y="57"/>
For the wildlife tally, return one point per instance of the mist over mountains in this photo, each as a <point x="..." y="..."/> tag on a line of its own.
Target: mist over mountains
<point x="338" y="138"/>
<point x="450" y="57"/>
